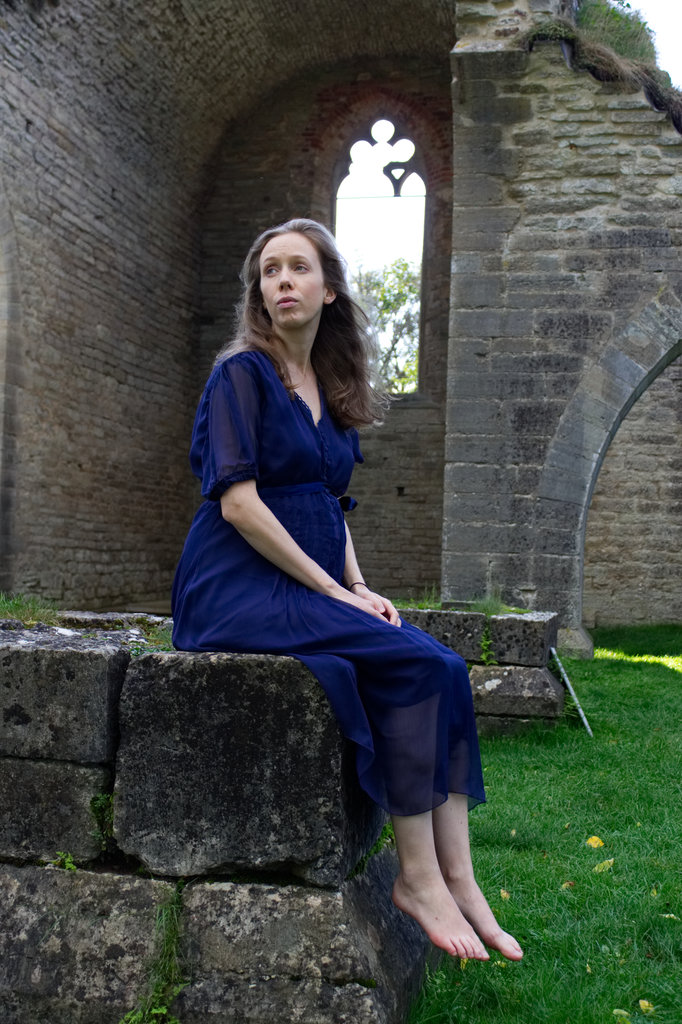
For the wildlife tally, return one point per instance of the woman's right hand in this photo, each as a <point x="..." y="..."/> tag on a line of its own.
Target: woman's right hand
<point x="374" y="604"/>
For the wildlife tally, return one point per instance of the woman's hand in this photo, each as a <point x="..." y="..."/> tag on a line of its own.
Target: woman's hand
<point x="365" y="599"/>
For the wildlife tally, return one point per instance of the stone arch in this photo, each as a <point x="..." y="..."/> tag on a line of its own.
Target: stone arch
<point x="608" y="390"/>
<point x="348" y="122"/>
<point x="9" y="382"/>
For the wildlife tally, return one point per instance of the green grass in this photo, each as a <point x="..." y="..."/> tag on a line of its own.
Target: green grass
<point x="27" y="609"/>
<point x="619" y="25"/>
<point x="595" y="942"/>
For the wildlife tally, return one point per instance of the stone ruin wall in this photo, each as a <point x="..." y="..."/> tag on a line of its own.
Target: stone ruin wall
<point x="633" y="544"/>
<point x="566" y="296"/>
<point x="102" y="271"/>
<point x="145" y="771"/>
<point x="110" y="162"/>
<point x="282" y="159"/>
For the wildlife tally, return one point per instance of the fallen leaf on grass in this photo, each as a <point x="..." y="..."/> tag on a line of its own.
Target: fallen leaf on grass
<point x="645" y="1006"/>
<point x="463" y="962"/>
<point x="513" y="832"/>
<point x="567" y="885"/>
<point x="588" y="968"/>
<point x="595" y="842"/>
<point x="621" y="1013"/>
<point x="671" y="917"/>
<point x="605" y="865"/>
<point x="654" y="891"/>
<point x="504" y="894"/>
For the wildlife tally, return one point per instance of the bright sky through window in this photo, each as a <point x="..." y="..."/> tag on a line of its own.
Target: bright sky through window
<point x="373" y="225"/>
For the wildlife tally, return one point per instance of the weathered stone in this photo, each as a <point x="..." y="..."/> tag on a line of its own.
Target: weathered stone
<point x="263" y="954"/>
<point x="45" y="807"/>
<point x="110" y="620"/>
<point x="516" y="692"/>
<point x="58" y="695"/>
<point x="460" y="631"/>
<point x="236" y="761"/>
<point x="74" y="946"/>
<point x="576" y="643"/>
<point x="523" y="639"/>
<point x="497" y="725"/>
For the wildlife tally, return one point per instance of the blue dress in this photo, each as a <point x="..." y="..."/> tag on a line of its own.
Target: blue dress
<point x="400" y="696"/>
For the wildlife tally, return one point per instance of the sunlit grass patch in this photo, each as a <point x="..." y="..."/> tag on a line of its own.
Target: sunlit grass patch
<point x="595" y="941"/>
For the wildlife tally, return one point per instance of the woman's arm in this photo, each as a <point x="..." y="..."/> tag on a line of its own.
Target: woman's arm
<point x="242" y="507"/>
<point x="352" y="575"/>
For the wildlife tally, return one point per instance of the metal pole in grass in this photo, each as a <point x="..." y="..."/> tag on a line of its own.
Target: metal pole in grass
<point x="567" y="684"/>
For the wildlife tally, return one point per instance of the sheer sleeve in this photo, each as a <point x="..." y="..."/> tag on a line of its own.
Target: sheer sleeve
<point x="226" y="436"/>
<point x="355" y="440"/>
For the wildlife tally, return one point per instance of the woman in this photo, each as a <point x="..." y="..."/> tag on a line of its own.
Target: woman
<point x="269" y="566"/>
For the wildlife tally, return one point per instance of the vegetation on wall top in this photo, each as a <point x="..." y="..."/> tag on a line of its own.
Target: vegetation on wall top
<point x="609" y="40"/>
<point x="617" y="26"/>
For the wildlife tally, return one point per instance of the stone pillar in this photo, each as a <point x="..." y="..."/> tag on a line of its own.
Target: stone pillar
<point x="565" y="307"/>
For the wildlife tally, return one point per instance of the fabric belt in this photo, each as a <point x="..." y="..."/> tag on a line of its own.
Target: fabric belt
<point x="314" y="487"/>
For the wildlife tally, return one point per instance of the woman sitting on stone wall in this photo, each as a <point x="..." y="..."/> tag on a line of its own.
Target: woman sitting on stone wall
<point x="269" y="567"/>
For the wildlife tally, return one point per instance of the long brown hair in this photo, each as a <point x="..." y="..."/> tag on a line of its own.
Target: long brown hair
<point x="344" y="348"/>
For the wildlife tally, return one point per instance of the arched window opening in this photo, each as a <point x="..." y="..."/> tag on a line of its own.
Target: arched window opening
<point x="380" y="231"/>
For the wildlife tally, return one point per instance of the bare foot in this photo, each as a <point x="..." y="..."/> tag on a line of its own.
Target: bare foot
<point x="475" y="909"/>
<point x="431" y="905"/>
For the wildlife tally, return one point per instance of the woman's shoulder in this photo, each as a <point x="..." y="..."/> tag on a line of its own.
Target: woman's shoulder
<point x="250" y="361"/>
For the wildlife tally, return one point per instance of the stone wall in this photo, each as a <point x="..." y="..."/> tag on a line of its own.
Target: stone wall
<point x="633" y="543"/>
<point x="143" y="146"/>
<point x="209" y="802"/>
<point x="565" y="308"/>
<point x="282" y="161"/>
<point x="111" y="120"/>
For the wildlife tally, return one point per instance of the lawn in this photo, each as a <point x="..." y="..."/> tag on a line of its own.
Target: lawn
<point x="600" y="921"/>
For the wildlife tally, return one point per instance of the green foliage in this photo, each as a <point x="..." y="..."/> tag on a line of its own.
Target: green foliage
<point x="28" y="608"/>
<point x="154" y="638"/>
<point x="102" y="807"/>
<point x="391" y="298"/>
<point x="429" y="599"/>
<point x="616" y="25"/>
<point x="65" y="861"/>
<point x="166" y="978"/>
<point x="387" y="838"/>
<point x="487" y="652"/>
<point x="595" y="940"/>
<point x="492" y="604"/>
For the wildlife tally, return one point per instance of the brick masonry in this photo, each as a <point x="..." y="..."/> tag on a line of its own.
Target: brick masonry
<point x="144" y="147"/>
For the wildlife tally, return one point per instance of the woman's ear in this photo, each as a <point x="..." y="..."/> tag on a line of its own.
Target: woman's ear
<point x="329" y="296"/>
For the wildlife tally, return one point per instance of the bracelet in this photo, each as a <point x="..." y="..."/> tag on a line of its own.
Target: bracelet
<point x="358" y="583"/>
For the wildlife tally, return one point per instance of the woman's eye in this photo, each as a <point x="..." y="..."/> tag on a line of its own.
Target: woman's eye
<point x="269" y="271"/>
<point x="301" y="266"/>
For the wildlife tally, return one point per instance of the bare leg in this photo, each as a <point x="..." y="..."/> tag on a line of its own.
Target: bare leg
<point x="451" y="838"/>
<point x="421" y="892"/>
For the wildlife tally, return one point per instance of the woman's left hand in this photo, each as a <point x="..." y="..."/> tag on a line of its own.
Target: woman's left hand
<point x="381" y="604"/>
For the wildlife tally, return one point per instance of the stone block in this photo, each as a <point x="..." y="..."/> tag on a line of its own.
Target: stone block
<point x="45" y="807"/>
<point x="460" y="631"/>
<point x="58" y="695"/>
<point x="264" y="954"/>
<point x="523" y="639"/>
<point x="516" y="692"/>
<point x="231" y="762"/>
<point x="74" y="946"/>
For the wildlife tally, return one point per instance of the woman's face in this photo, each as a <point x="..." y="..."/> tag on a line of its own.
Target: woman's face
<point x="292" y="283"/>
